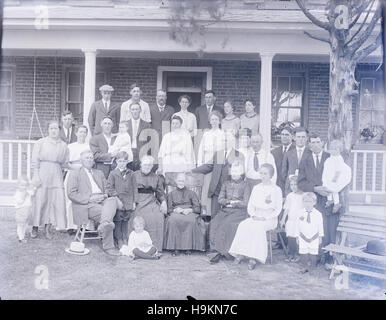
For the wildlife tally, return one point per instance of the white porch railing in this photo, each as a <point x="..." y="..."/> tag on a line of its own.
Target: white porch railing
<point x="369" y="172"/>
<point x="15" y="159"/>
<point x="369" y="166"/>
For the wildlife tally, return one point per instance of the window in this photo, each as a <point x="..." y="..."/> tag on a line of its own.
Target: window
<point x="371" y="109"/>
<point x="75" y="91"/>
<point x="287" y="100"/>
<point x="6" y="99"/>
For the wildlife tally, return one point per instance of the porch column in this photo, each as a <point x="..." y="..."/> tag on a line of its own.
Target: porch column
<point x="89" y="82"/>
<point x="266" y="98"/>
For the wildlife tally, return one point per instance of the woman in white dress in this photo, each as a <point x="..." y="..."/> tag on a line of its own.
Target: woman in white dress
<point x="176" y="153"/>
<point x="264" y="206"/>
<point x="189" y="121"/>
<point x="75" y="149"/>
<point x="212" y="142"/>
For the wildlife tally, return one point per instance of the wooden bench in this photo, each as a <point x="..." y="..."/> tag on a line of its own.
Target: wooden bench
<point x="354" y="259"/>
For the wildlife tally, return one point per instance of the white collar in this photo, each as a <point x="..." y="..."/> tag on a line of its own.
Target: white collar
<point x="161" y="107"/>
<point x="300" y="148"/>
<point x="136" y="120"/>
<point x="318" y="154"/>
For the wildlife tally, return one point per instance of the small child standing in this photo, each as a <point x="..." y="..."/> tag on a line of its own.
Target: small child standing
<point x="121" y="183"/>
<point x="336" y="174"/>
<point x="309" y="231"/>
<point x="292" y="207"/>
<point x="140" y="244"/>
<point x="122" y="142"/>
<point x="23" y="204"/>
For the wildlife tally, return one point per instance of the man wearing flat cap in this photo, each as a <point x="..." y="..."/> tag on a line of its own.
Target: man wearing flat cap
<point x="104" y="108"/>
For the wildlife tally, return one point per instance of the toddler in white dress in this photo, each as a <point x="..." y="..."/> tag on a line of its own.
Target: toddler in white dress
<point x="122" y="142"/>
<point x="23" y="204"/>
<point x="140" y="244"/>
<point x="336" y="174"/>
<point x="293" y="205"/>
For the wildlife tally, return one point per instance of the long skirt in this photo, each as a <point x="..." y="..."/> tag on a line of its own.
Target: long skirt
<point x="223" y="228"/>
<point x="206" y="202"/>
<point x="184" y="232"/>
<point x="251" y="239"/>
<point x="149" y="210"/>
<point x="50" y="207"/>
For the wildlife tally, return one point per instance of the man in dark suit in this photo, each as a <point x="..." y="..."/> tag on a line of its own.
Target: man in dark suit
<point x="138" y="131"/>
<point x="86" y="189"/>
<point x="104" y="108"/>
<point x="310" y="180"/>
<point x="99" y="145"/>
<point x="67" y="130"/>
<point x="161" y="114"/>
<point x="278" y="154"/>
<point x="203" y="111"/>
<point x="292" y="158"/>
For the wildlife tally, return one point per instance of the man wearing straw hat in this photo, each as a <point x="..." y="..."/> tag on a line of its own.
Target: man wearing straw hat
<point x="104" y="108"/>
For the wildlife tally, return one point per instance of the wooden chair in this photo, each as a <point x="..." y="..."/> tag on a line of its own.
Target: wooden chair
<point x="276" y="231"/>
<point x="194" y="182"/>
<point x="350" y="259"/>
<point x="87" y="232"/>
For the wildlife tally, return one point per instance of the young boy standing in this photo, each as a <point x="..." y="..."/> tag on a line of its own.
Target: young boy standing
<point x="121" y="184"/>
<point x="309" y="232"/>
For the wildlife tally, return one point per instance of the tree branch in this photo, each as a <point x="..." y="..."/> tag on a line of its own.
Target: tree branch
<point x="317" y="37"/>
<point x="363" y="53"/>
<point x="363" y="23"/>
<point x="310" y="16"/>
<point x="359" y="11"/>
<point x="365" y="34"/>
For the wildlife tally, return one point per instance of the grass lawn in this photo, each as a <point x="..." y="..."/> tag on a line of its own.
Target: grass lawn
<point x="99" y="276"/>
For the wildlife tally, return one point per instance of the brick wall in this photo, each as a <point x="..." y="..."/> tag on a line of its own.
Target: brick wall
<point x="231" y="79"/>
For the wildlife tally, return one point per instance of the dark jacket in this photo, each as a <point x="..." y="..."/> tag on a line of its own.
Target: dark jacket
<point x="220" y="171"/>
<point x="123" y="186"/>
<point x="278" y="155"/>
<point x="98" y="112"/>
<point x="73" y="137"/>
<point x="79" y="192"/>
<point x="202" y="116"/>
<point x="100" y="148"/>
<point x="158" y="117"/>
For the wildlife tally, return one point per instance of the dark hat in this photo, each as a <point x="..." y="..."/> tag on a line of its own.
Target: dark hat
<point x="375" y="247"/>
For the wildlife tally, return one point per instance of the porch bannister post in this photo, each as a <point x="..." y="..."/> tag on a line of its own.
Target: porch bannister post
<point x="89" y="82"/>
<point x="266" y="98"/>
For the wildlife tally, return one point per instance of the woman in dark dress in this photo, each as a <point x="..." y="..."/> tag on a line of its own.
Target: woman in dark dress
<point x="184" y="228"/>
<point x="151" y="201"/>
<point x="233" y="199"/>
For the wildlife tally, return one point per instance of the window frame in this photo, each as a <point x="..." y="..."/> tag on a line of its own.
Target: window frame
<point x="66" y="68"/>
<point x="12" y="125"/>
<point x="298" y="72"/>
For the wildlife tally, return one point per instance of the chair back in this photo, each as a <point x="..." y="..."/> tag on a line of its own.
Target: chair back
<point x="194" y="182"/>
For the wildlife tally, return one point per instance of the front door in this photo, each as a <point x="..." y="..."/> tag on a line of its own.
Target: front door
<point x="177" y="84"/>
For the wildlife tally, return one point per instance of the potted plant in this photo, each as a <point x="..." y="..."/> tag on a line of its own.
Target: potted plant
<point x="367" y="134"/>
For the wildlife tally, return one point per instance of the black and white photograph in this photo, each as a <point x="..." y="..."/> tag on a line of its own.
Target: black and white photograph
<point x="163" y="150"/>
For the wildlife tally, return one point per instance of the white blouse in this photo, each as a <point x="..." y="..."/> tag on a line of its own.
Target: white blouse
<point x="212" y="141"/>
<point x="189" y="121"/>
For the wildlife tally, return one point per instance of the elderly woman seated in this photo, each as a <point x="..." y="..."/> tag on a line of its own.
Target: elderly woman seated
<point x="151" y="203"/>
<point x="184" y="228"/>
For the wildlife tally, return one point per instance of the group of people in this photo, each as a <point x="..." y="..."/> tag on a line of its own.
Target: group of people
<point x="132" y="180"/>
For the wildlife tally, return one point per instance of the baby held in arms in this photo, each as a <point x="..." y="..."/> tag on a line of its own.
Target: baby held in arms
<point x="122" y="142"/>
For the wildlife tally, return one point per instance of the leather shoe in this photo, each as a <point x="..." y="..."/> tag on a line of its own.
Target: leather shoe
<point x="112" y="252"/>
<point x="34" y="232"/>
<point x="215" y="259"/>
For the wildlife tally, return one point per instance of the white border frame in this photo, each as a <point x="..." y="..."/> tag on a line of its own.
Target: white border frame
<point x="207" y="70"/>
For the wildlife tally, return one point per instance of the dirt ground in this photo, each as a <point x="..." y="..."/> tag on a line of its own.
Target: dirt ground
<point x="99" y="276"/>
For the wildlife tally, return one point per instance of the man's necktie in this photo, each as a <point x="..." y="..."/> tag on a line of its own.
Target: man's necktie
<point x="256" y="162"/>
<point x="299" y="155"/>
<point x="106" y="106"/>
<point x="308" y="216"/>
<point x="317" y="162"/>
<point x="68" y="135"/>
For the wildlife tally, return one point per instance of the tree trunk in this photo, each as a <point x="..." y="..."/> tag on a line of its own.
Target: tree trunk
<point x="342" y="84"/>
